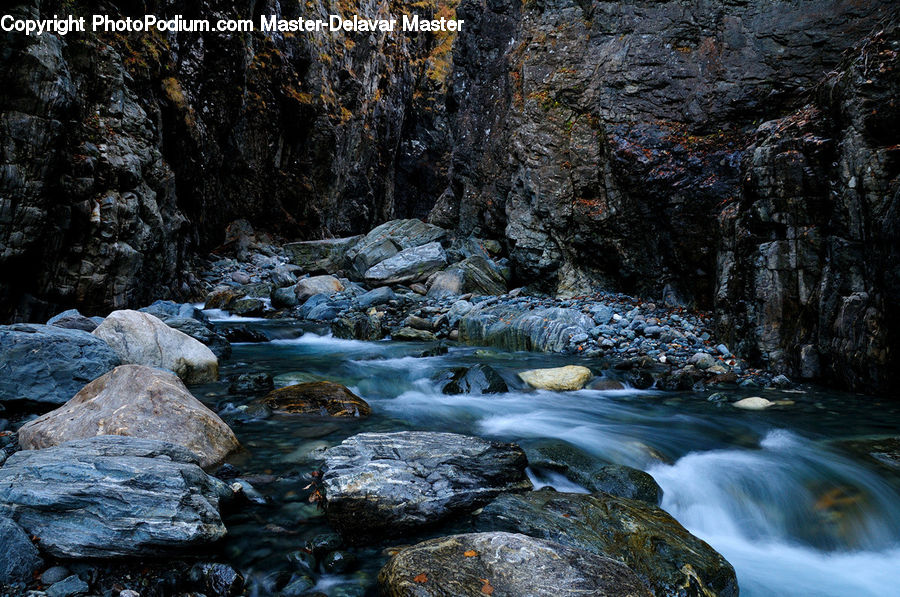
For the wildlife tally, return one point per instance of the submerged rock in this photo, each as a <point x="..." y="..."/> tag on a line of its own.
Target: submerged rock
<point x="49" y="364"/>
<point x="559" y="379"/>
<point x="505" y="564"/>
<point x="323" y="398"/>
<point x="670" y="560"/>
<point x="135" y="401"/>
<point x="410" y="265"/>
<point x="386" y="484"/>
<point x="112" y="496"/>
<point x="142" y="339"/>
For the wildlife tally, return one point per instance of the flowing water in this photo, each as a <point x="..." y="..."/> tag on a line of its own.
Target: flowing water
<point x="794" y="513"/>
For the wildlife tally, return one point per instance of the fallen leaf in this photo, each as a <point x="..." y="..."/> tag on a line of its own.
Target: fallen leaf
<point x="421" y="578"/>
<point x="487" y="589"/>
<point x="471" y="553"/>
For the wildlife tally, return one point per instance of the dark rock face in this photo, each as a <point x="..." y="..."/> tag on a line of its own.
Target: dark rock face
<point x="480" y="379"/>
<point x="479" y="564"/>
<point x="660" y="551"/>
<point x="49" y="364"/>
<point x="375" y="486"/>
<point x="112" y="496"/>
<point x="808" y="270"/>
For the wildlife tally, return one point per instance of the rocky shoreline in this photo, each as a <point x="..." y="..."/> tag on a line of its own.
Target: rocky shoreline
<point x="122" y="467"/>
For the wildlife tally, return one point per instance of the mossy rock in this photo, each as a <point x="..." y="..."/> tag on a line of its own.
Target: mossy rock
<point x="322" y="398"/>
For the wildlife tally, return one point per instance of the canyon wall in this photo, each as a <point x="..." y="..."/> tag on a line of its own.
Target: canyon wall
<point x="728" y="154"/>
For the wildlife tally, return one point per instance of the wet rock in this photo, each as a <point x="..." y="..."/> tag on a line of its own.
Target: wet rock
<point x="248" y="307"/>
<point x="506" y="564"/>
<point x="284" y="298"/>
<point x="142" y="339"/>
<point x="308" y="287"/>
<point x="217" y="580"/>
<point x="252" y="383"/>
<point x="660" y="551"/>
<point x="20" y="559"/>
<point x="321" y="256"/>
<point x="223" y="297"/>
<point x="303" y="561"/>
<point x="339" y="562"/>
<point x="386" y="484"/>
<point x="298" y="587"/>
<point x="457" y="311"/>
<point x="202" y="332"/>
<point x="357" y="326"/>
<point x="322" y="398"/>
<point x="112" y="496"/>
<point x="627" y="482"/>
<point x="324" y="543"/>
<point x="559" y="379"/>
<point x="386" y="240"/>
<point x="604" y="385"/>
<point x="407" y="334"/>
<point x="72" y="586"/>
<point x="49" y="364"/>
<point x="753" y="403"/>
<point x="540" y="330"/>
<point x="243" y="333"/>
<point x="73" y="320"/>
<point x="410" y="265"/>
<point x="883" y="451"/>
<point x="135" y="401"/>
<point x="376" y="297"/>
<point x="479" y="379"/>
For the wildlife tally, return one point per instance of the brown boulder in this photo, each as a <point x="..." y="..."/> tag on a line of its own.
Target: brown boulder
<point x="322" y="398"/>
<point x="135" y="401"/>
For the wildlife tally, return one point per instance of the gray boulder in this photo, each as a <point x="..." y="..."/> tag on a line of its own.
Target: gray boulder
<point x="320" y="256"/>
<point x="284" y="298"/>
<point x="447" y="283"/>
<point x="376" y="297"/>
<point x="388" y="239"/>
<point x="647" y="539"/>
<point x="541" y="330"/>
<point x="112" y="496"/>
<point x="478" y="564"/>
<point x="142" y="339"/>
<point x="478" y="379"/>
<point x="49" y="364"/>
<point x="73" y="320"/>
<point x="386" y="484"/>
<point x="171" y="310"/>
<point x="20" y="559"/>
<point x="308" y="287"/>
<point x="480" y="277"/>
<point x="410" y="265"/>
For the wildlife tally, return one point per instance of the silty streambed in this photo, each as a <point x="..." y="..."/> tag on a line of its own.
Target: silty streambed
<point x="794" y="513"/>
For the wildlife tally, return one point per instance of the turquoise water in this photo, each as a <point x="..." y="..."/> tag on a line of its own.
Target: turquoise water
<point x="793" y="513"/>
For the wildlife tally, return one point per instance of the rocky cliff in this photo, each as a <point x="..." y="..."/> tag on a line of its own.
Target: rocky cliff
<point x="652" y="147"/>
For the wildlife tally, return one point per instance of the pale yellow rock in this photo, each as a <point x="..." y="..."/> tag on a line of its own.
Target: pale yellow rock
<point x="560" y="379"/>
<point x="753" y="403"/>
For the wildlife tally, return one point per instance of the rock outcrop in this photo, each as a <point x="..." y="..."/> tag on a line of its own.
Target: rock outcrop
<point x="387" y="484"/>
<point x="135" y="401"/>
<point x="112" y="496"/>
<point x="479" y="564"/>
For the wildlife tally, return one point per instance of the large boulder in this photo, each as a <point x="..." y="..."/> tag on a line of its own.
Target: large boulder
<point x="142" y="339"/>
<point x="20" y="559"/>
<point x="479" y="276"/>
<point x="479" y="379"/>
<point x="388" y="239"/>
<point x="112" y="496"/>
<point x="509" y="328"/>
<point x="49" y="364"/>
<point x="135" y="401"/>
<point x="166" y="310"/>
<point x="504" y="564"/>
<point x="323" y="398"/>
<point x="410" y="265"/>
<point x="202" y="332"/>
<point x="387" y="484"/>
<point x="320" y="256"/>
<point x="648" y="540"/>
<point x="308" y="287"/>
<point x="560" y="379"/>
<point x="447" y="283"/>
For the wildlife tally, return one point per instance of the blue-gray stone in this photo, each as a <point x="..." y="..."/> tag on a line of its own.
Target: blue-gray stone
<point x="48" y="364"/>
<point x="69" y="587"/>
<point x="19" y="557"/>
<point x="73" y="320"/>
<point x="376" y="297"/>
